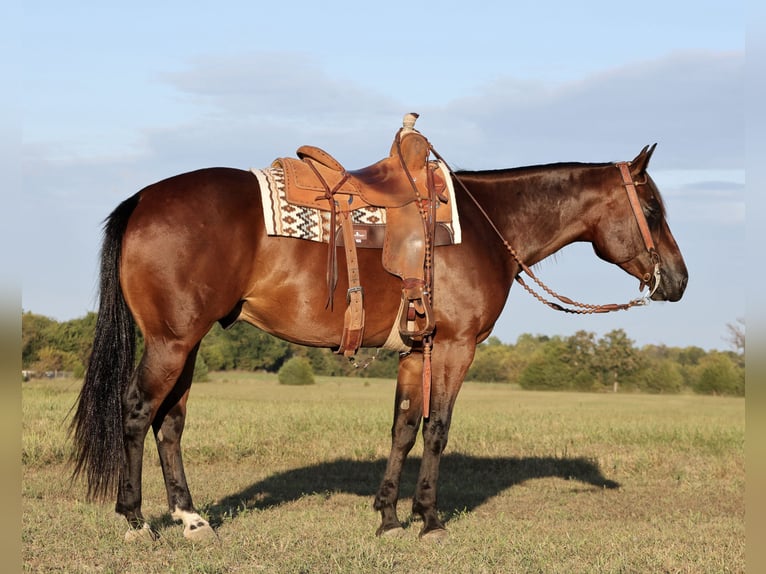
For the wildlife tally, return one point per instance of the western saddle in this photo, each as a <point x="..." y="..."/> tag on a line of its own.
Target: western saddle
<point x="409" y="187"/>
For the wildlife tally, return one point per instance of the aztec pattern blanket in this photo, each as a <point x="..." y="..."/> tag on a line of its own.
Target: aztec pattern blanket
<point x="286" y="220"/>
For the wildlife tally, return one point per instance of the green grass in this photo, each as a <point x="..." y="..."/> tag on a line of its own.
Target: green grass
<point x="531" y="482"/>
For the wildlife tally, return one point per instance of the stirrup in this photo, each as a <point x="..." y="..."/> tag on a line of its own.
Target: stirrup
<point x="416" y="301"/>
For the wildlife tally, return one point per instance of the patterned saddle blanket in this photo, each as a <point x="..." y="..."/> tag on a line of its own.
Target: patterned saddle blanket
<point x="284" y="219"/>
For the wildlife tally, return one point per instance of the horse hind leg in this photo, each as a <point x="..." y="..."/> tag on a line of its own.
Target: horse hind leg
<point x="168" y="427"/>
<point x="154" y="380"/>
<point x="136" y="418"/>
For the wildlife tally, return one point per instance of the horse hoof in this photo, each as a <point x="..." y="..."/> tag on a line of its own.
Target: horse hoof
<point x="196" y="528"/>
<point x="396" y="532"/>
<point x="201" y="532"/>
<point x="438" y="536"/>
<point x="143" y="534"/>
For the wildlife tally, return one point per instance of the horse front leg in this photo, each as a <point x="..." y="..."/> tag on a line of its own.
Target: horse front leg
<point x="407" y="416"/>
<point x="168" y="427"/>
<point x="450" y="364"/>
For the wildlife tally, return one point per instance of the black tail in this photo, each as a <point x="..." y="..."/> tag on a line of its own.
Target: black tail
<point x="97" y="423"/>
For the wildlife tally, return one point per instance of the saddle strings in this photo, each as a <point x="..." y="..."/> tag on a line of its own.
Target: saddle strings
<point x="579" y="308"/>
<point x="332" y="264"/>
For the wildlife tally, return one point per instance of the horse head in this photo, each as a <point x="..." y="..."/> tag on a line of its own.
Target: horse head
<point x="633" y="232"/>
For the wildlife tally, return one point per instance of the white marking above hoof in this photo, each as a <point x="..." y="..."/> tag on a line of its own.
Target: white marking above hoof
<point x="196" y="528"/>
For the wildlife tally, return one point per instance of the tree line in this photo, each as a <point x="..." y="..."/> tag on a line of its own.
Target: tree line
<point x="580" y="362"/>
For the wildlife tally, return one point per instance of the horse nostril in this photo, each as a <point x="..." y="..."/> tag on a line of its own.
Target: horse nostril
<point x="684" y="280"/>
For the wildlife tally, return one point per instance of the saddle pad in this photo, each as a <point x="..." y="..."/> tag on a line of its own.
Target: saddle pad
<point x="287" y="220"/>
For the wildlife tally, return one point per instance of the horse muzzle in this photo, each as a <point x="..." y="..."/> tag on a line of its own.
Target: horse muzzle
<point x="666" y="285"/>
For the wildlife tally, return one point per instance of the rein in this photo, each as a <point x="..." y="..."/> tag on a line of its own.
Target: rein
<point x="575" y="306"/>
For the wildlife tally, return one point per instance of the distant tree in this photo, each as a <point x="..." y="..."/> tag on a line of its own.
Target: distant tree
<point x="321" y="363"/>
<point x="296" y="371"/>
<point x="618" y="361"/>
<point x="35" y="335"/>
<point x="243" y="347"/>
<point x="687" y="359"/>
<point x="662" y="376"/>
<point x="66" y="343"/>
<point x="492" y="362"/>
<point x="76" y="336"/>
<point x="578" y="362"/>
<point x="201" y="371"/>
<point x="547" y="370"/>
<point x="659" y="352"/>
<point x="690" y="356"/>
<point x="52" y="359"/>
<point x="580" y="354"/>
<point x="214" y="354"/>
<point x="737" y="334"/>
<point x="736" y="337"/>
<point x="521" y="354"/>
<point x="719" y="374"/>
<point x="217" y="351"/>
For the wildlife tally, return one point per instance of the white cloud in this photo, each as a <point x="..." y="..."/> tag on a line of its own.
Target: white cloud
<point x="257" y="106"/>
<point x="708" y="197"/>
<point x="691" y="103"/>
<point x="273" y="85"/>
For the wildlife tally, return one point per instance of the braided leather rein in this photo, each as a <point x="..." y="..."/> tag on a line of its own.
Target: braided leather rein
<point x="575" y="306"/>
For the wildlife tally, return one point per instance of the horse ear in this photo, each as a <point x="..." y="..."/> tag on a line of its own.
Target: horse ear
<point x="641" y="161"/>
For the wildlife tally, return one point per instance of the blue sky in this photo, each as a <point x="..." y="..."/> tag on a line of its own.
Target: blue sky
<point x="113" y="99"/>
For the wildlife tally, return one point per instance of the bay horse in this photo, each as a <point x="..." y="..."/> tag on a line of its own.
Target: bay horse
<point x="192" y="250"/>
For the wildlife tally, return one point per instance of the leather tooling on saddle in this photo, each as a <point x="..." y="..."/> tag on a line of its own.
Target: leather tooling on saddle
<point x="285" y="219"/>
<point x="403" y="204"/>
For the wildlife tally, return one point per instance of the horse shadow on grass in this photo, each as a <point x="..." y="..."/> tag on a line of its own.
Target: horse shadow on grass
<point x="465" y="482"/>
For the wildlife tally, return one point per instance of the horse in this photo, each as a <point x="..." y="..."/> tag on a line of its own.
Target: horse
<point x="192" y="250"/>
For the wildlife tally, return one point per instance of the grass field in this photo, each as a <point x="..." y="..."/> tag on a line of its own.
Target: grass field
<point x="531" y="482"/>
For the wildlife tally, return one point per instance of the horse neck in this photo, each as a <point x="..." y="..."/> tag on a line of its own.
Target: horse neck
<point x="539" y="210"/>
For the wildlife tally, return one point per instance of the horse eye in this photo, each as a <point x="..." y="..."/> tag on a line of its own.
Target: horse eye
<point x="653" y="213"/>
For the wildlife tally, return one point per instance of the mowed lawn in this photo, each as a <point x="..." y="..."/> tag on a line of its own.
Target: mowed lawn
<point x="531" y="482"/>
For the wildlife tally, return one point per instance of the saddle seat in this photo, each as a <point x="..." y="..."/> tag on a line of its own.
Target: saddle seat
<point x="386" y="183"/>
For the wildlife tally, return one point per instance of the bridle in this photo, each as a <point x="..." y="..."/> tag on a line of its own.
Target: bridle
<point x="575" y="306"/>
<point x="643" y="225"/>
